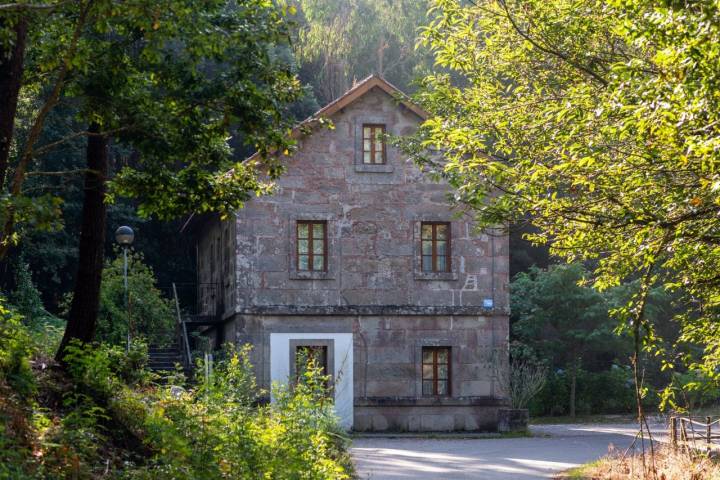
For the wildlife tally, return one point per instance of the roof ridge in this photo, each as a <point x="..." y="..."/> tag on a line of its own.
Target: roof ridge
<point x="362" y="87"/>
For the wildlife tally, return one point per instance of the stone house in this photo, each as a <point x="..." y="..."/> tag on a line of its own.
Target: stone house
<point x="358" y="261"/>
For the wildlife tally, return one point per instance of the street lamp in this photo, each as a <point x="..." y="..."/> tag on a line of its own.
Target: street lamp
<point x="124" y="236"/>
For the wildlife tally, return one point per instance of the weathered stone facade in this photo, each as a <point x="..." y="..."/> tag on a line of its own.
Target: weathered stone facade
<point x="374" y="286"/>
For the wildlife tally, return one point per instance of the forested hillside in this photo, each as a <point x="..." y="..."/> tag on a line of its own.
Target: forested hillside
<point x="586" y="130"/>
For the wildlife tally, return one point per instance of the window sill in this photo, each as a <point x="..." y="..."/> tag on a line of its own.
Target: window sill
<point x="310" y="275"/>
<point x="368" y="168"/>
<point x="436" y="276"/>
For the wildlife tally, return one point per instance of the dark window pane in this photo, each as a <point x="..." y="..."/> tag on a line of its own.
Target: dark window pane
<point x="303" y="262"/>
<point x="302" y="246"/>
<point x="318" y="230"/>
<point x="441" y="231"/>
<point x="442" y="372"/>
<point x="318" y="262"/>
<point x="442" y="386"/>
<point x="442" y="355"/>
<point x="427" y="354"/>
<point x="426" y="247"/>
<point x="441" y="247"/>
<point x="303" y="230"/>
<point x="427" y="387"/>
<point x="426" y="232"/>
<point x="427" y="264"/>
<point x="318" y="246"/>
<point x="441" y="264"/>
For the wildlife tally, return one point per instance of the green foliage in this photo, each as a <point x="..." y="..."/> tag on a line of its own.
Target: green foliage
<point x="340" y="42"/>
<point x="16" y="347"/>
<point x="26" y="297"/>
<point x="217" y="432"/>
<point x="151" y="315"/>
<point x="108" y="425"/>
<point x="45" y="328"/>
<point x="609" y="391"/>
<point x="561" y="320"/>
<point x="171" y="83"/>
<point x="691" y="390"/>
<point x="599" y="120"/>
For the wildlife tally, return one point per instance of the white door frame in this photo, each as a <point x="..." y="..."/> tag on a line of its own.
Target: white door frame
<point x="341" y="370"/>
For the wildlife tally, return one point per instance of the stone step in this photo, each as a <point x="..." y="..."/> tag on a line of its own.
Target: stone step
<point x="172" y="348"/>
<point x="163" y="365"/>
<point x="165" y="358"/>
<point x="165" y="355"/>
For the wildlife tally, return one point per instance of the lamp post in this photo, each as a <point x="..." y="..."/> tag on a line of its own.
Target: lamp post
<point x="124" y="236"/>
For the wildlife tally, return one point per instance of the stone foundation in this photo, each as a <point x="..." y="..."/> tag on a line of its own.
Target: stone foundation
<point x="512" y="420"/>
<point x="387" y="365"/>
<point x="426" y="415"/>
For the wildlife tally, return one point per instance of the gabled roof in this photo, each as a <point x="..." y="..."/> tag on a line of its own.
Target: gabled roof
<point x="360" y="89"/>
<point x="357" y="91"/>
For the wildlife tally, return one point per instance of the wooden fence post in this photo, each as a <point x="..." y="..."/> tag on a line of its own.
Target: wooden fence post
<point x="708" y="433"/>
<point x="673" y="432"/>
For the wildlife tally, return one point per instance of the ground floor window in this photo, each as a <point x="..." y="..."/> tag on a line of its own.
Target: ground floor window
<point x="436" y="371"/>
<point x="306" y="355"/>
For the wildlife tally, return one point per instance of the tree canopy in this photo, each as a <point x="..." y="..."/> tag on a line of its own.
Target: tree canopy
<point x="169" y="81"/>
<point x="339" y="42"/>
<point x="164" y="86"/>
<point x="600" y="120"/>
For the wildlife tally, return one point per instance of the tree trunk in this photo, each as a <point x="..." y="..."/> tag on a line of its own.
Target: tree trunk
<point x="573" y="386"/>
<point x="381" y="55"/>
<point x="11" y="70"/>
<point x="82" y="319"/>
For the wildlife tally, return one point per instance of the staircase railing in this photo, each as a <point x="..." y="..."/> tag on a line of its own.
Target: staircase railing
<point x="182" y="332"/>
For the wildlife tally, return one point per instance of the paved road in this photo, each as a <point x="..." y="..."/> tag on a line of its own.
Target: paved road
<point x="554" y="448"/>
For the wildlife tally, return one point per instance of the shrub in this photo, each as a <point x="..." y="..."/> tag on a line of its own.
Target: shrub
<point x="610" y="391"/>
<point x="46" y="329"/>
<point x="16" y="347"/>
<point x="216" y="432"/>
<point x="151" y="315"/>
<point x="693" y="389"/>
<point x="113" y="424"/>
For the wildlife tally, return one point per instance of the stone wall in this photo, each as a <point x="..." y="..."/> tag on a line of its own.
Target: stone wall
<point x="387" y="365"/>
<point x="373" y="228"/>
<point x="216" y="268"/>
<point x="374" y="287"/>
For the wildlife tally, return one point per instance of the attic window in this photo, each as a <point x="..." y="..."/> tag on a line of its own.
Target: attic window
<point x="374" y="144"/>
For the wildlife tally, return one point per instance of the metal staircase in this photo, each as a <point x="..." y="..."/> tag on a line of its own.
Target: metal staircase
<point x="163" y="358"/>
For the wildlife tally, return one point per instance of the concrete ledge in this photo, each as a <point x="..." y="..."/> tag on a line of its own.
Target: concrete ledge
<point x="373" y="310"/>
<point x="373" y="168"/>
<point x="435" y="276"/>
<point x="430" y="402"/>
